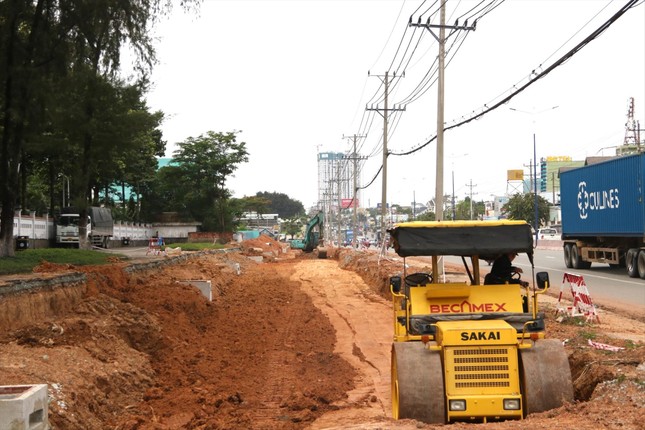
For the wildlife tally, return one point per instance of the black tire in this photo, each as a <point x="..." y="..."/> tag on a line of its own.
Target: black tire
<point x="417" y="383"/>
<point x="567" y="256"/>
<point x="640" y="263"/>
<point x="630" y="263"/>
<point x="576" y="259"/>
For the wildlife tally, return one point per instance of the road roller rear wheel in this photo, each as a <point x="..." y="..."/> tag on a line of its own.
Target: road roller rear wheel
<point x="546" y="376"/>
<point x="417" y="383"/>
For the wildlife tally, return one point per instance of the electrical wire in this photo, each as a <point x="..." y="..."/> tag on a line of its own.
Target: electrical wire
<point x="563" y="59"/>
<point x="537" y="76"/>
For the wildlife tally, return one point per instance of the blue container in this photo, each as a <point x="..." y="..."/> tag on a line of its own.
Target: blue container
<point x="604" y="199"/>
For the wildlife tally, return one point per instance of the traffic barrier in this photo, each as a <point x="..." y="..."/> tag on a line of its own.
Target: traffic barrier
<point x="582" y="303"/>
<point x="604" y="346"/>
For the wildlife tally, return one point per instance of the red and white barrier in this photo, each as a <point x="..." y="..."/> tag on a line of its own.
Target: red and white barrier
<point x="582" y="303"/>
<point x="604" y="346"/>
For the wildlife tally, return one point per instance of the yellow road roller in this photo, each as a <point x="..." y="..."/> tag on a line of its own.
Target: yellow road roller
<point x="471" y="349"/>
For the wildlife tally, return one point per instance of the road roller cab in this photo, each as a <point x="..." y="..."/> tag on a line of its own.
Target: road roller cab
<point x="464" y="350"/>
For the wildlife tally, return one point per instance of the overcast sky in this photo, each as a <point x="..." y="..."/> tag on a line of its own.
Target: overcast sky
<point x="293" y="77"/>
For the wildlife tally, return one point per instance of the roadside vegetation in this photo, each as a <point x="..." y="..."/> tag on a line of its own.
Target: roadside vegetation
<point x="25" y="261"/>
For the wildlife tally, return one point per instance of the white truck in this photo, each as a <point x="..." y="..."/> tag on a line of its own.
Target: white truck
<point x="100" y="226"/>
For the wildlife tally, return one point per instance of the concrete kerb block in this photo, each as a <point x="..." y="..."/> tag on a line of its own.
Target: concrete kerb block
<point x="24" y="407"/>
<point x="204" y="286"/>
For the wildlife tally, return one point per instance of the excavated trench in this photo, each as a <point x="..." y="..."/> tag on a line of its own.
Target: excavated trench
<point x="293" y="342"/>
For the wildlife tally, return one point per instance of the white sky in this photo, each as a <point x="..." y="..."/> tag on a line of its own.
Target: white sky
<point x="293" y="76"/>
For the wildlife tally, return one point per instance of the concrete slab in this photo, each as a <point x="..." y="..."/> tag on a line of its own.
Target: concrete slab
<point x="24" y="407"/>
<point x="204" y="286"/>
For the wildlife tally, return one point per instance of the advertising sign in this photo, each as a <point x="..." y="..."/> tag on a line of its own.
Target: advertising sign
<point x="515" y="175"/>
<point x="349" y="203"/>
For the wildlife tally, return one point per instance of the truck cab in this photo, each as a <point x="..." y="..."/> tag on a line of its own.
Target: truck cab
<point x="100" y="227"/>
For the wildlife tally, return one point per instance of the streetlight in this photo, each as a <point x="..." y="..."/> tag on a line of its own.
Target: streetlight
<point x="65" y="180"/>
<point x="535" y="195"/>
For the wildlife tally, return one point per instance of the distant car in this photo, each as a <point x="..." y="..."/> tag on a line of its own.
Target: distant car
<point x="548" y="234"/>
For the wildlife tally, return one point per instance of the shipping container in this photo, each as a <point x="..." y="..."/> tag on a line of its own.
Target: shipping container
<point x="603" y="214"/>
<point x="604" y="198"/>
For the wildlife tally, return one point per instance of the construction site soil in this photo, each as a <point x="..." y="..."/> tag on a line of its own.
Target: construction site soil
<point x="288" y="342"/>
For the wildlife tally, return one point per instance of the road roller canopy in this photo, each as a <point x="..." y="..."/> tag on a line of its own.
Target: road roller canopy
<point x="486" y="239"/>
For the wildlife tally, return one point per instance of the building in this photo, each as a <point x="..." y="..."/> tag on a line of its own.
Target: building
<point x="549" y="181"/>
<point x="336" y="181"/>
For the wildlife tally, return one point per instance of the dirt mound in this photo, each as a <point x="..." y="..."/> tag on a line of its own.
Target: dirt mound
<point x="294" y="343"/>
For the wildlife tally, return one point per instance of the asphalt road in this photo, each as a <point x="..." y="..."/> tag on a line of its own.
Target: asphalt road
<point x="604" y="283"/>
<point x="606" y="286"/>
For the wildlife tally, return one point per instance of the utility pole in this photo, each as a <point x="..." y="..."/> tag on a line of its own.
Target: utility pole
<point x="385" y="153"/>
<point x="355" y="158"/>
<point x="471" y="186"/>
<point x="340" y="208"/>
<point x="441" y="39"/>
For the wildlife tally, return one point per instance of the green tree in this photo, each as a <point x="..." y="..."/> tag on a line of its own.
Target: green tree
<point x="259" y="205"/>
<point x="281" y="204"/>
<point x="463" y="209"/>
<point x="292" y="226"/>
<point x="522" y="207"/>
<point x="427" y="216"/>
<point x="194" y="184"/>
<point x="26" y="39"/>
<point x="43" y="41"/>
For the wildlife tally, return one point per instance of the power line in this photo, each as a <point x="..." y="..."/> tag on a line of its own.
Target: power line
<point x="537" y="76"/>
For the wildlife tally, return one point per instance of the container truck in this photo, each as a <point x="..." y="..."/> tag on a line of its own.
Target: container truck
<point x="100" y="226"/>
<point x="603" y="214"/>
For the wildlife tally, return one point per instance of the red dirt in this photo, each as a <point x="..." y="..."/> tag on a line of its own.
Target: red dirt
<point x="290" y="343"/>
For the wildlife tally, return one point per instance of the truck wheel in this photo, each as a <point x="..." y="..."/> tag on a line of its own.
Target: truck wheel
<point x="630" y="262"/>
<point x="417" y="383"/>
<point x="641" y="264"/>
<point x="567" y="256"/>
<point x="576" y="258"/>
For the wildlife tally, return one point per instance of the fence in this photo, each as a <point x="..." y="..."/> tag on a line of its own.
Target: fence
<point x="35" y="227"/>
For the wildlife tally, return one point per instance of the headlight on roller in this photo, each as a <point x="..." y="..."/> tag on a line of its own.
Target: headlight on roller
<point x="512" y="404"/>
<point x="457" y="405"/>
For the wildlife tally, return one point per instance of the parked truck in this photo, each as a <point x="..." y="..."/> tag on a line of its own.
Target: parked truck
<point x="603" y="214"/>
<point x="100" y="226"/>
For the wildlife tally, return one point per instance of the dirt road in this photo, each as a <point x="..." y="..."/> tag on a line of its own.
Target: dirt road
<point x="290" y="343"/>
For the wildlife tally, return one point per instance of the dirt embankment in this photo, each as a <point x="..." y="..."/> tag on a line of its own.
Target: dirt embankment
<point x="291" y="343"/>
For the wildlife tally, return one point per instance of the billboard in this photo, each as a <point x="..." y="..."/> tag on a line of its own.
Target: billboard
<point x="515" y="175"/>
<point x="348" y="203"/>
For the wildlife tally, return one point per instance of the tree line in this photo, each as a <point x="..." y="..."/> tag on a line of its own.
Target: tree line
<point x="76" y="133"/>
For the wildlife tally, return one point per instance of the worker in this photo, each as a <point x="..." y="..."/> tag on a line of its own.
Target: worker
<point x="503" y="270"/>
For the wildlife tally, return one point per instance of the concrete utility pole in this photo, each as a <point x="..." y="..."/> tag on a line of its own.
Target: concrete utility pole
<point x="340" y="208"/>
<point x="441" y="39"/>
<point x="355" y="157"/>
<point x="385" y="153"/>
<point x="440" y="106"/>
<point x="471" y="186"/>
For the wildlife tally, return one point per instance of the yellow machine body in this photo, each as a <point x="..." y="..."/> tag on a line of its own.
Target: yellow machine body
<point x="464" y="351"/>
<point x="480" y="362"/>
